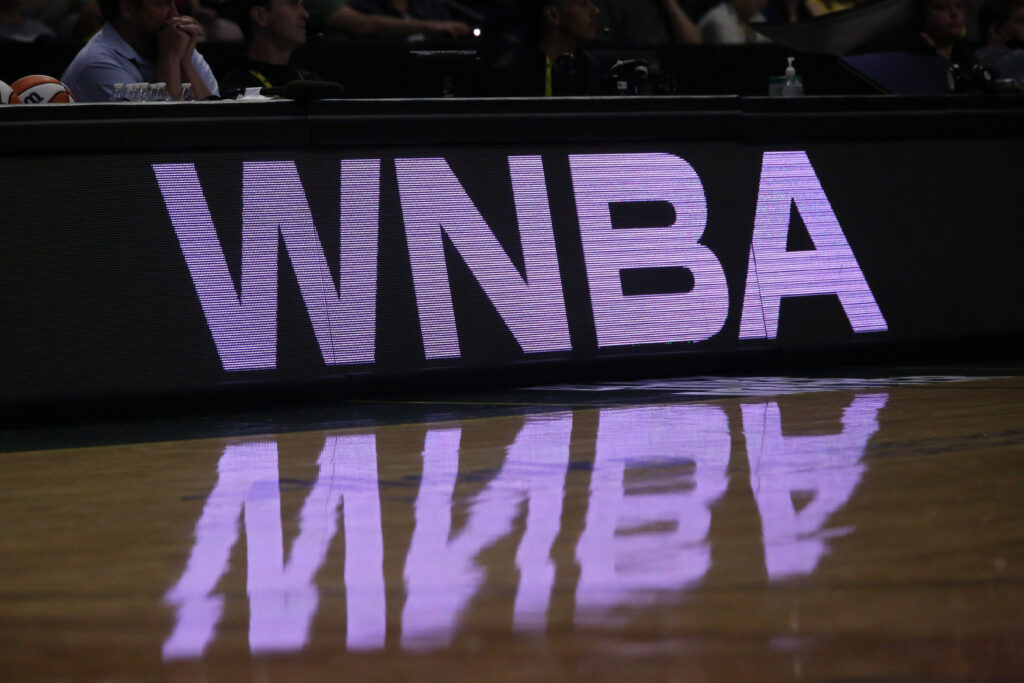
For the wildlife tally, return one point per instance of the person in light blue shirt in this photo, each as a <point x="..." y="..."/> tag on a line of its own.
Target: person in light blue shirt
<point x="143" y="41"/>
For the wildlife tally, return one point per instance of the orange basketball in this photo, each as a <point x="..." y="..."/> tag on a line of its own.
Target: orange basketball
<point x="41" y="90"/>
<point x="7" y="95"/>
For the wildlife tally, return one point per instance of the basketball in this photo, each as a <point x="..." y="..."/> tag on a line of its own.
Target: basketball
<point x="41" y="90"/>
<point x="7" y="95"/>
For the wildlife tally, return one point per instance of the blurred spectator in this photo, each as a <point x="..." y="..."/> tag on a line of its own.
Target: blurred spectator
<point x="647" y="22"/>
<point x="940" y="25"/>
<point x="395" y="19"/>
<point x="214" y="26"/>
<point x="790" y="11"/>
<point x="72" y="20"/>
<point x="404" y="9"/>
<point x="143" y="41"/>
<point x="17" y="27"/>
<point x="552" y="62"/>
<point x="273" y="30"/>
<point x="567" y="25"/>
<point x="50" y="12"/>
<point x="1002" y="24"/>
<point x="499" y="14"/>
<point x="728" y="23"/>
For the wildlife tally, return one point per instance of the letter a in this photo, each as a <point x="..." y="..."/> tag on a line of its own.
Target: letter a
<point x="774" y="273"/>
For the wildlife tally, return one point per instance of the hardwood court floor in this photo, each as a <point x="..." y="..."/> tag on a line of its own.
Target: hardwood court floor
<point x="726" y="530"/>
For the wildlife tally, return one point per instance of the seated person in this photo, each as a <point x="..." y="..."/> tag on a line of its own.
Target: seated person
<point x="273" y="30"/>
<point x="729" y="22"/>
<point x="50" y="12"/>
<point x="552" y="62"/>
<point x="790" y="11"/>
<point x="73" y="21"/>
<point x="215" y="27"/>
<point x="1002" y="24"/>
<point x="941" y="25"/>
<point x="647" y="22"/>
<point x="79" y="27"/>
<point x="344" y="17"/>
<point x="17" y="27"/>
<point x="143" y="41"/>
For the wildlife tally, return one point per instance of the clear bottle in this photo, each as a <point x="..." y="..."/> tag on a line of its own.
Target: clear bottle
<point x="119" y="94"/>
<point x="158" y="92"/>
<point x="793" y="85"/>
<point x="187" y="93"/>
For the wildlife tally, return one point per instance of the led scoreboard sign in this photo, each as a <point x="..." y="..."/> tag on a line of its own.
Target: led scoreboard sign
<point x="530" y="300"/>
<point x="169" y="272"/>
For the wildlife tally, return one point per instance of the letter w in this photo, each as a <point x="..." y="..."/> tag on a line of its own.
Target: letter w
<point x="244" y="326"/>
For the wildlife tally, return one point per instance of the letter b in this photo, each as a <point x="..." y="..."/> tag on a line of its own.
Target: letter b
<point x="603" y="179"/>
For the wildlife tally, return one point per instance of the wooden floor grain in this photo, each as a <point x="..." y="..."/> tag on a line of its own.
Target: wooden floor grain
<point x="869" y="534"/>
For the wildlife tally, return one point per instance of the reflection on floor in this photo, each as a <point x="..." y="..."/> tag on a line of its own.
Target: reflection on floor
<point x="706" y="529"/>
<point x="657" y="471"/>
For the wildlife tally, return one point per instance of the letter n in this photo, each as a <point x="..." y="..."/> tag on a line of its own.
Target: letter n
<point x="531" y="303"/>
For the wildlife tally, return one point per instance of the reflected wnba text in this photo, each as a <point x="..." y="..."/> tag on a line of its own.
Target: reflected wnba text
<point x="655" y="473"/>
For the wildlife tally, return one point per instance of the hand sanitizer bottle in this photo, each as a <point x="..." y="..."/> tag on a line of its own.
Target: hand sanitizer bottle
<point x="794" y="85"/>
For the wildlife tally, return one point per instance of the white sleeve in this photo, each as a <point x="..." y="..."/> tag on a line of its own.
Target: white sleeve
<point x="205" y="72"/>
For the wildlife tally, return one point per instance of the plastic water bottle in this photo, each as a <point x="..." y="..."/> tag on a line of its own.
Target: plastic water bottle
<point x="158" y="93"/>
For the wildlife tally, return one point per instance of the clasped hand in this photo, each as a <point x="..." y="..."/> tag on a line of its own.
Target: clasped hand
<point x="177" y="39"/>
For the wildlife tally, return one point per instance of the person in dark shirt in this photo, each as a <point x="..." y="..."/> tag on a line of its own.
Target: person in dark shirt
<point x="273" y="30"/>
<point x="941" y="26"/>
<point x="552" y="62"/>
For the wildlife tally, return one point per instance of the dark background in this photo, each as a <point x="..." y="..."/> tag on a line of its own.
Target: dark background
<point x="98" y="300"/>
